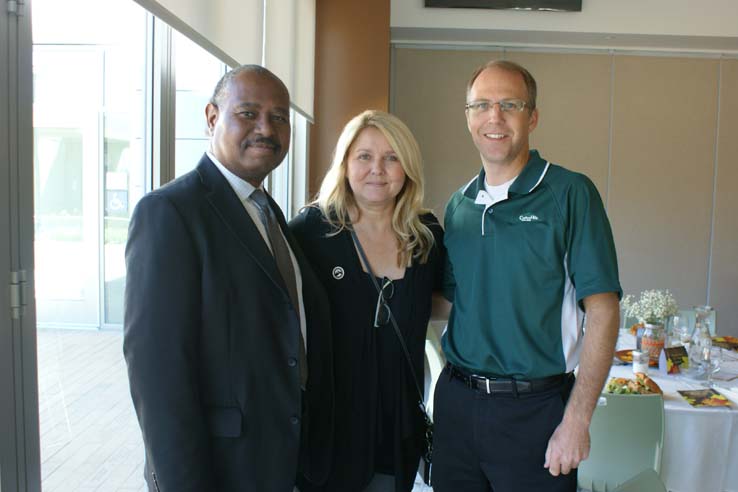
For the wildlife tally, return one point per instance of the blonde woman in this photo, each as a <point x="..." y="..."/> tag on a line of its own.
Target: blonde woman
<point x="375" y="189"/>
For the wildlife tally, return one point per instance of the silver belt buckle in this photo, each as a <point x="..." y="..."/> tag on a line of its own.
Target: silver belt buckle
<point x="486" y="380"/>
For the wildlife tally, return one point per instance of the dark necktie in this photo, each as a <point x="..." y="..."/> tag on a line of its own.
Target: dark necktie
<point x="282" y="256"/>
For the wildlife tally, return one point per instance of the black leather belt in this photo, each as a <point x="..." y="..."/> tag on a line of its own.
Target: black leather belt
<point x="506" y="385"/>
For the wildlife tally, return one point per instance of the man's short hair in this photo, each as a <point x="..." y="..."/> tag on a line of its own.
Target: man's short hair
<point x="221" y="88"/>
<point x="530" y="82"/>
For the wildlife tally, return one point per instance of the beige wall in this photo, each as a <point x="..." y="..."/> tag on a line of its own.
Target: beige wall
<point x="229" y="29"/>
<point x="351" y="72"/>
<point x="724" y="265"/>
<point x="663" y="155"/>
<point x="669" y="17"/>
<point x="645" y="129"/>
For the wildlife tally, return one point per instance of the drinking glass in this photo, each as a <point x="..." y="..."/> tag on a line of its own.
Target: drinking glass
<point x="704" y="315"/>
<point x="713" y="365"/>
<point x="680" y="334"/>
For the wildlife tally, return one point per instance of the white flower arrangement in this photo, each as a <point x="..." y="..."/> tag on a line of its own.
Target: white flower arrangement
<point x="653" y="307"/>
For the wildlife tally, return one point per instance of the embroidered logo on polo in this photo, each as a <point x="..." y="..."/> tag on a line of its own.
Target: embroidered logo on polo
<point x="528" y="217"/>
<point x="338" y="273"/>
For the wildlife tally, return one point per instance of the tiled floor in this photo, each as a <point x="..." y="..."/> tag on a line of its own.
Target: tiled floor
<point x="90" y="440"/>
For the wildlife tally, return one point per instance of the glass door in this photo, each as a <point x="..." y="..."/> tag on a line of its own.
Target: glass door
<point x="90" y="165"/>
<point x="67" y="154"/>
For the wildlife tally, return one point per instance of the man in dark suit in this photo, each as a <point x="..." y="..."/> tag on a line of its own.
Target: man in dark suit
<point x="227" y="335"/>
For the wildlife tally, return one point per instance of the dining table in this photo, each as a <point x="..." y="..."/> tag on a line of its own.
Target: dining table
<point x="700" y="452"/>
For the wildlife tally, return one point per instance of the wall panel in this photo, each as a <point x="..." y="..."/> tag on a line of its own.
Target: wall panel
<point x="352" y="64"/>
<point x="574" y="111"/>
<point x="664" y="124"/>
<point x="429" y="96"/>
<point x="724" y="271"/>
<point x="658" y="176"/>
<point x="574" y="104"/>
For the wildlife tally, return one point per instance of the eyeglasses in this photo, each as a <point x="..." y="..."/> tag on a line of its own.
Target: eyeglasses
<point x="482" y="106"/>
<point x="382" y="312"/>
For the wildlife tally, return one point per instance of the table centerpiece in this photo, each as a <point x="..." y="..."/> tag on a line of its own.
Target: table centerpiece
<point x="652" y="309"/>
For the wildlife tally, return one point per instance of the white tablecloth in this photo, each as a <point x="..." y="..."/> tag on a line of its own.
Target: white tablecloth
<point x="700" y="443"/>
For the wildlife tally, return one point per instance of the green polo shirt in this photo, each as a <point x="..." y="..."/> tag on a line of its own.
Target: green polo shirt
<point x="519" y="269"/>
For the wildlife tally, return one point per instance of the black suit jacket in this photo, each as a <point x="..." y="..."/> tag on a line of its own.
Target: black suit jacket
<point x="211" y="342"/>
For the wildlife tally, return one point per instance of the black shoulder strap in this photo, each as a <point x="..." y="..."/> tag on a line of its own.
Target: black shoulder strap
<point x="364" y="259"/>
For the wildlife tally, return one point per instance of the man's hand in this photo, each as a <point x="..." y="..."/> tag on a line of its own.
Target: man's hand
<point x="568" y="446"/>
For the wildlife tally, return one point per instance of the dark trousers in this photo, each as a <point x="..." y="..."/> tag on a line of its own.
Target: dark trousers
<point x="496" y="442"/>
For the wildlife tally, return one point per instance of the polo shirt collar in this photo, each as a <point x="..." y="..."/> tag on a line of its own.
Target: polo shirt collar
<point x="527" y="180"/>
<point x="530" y="176"/>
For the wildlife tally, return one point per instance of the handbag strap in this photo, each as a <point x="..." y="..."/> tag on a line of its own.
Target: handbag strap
<point x="401" y="339"/>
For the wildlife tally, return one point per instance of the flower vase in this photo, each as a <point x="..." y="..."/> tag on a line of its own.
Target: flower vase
<point x="652" y="341"/>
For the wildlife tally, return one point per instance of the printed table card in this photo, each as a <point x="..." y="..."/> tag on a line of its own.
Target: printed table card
<point x="673" y="359"/>
<point x="704" y="398"/>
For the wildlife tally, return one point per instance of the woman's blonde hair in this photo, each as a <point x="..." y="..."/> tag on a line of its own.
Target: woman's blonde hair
<point x="336" y="198"/>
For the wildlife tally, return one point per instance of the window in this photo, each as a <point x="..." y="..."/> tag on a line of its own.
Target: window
<point x="89" y="157"/>
<point x="197" y="72"/>
<point x="288" y="183"/>
<point x="105" y="100"/>
<point x="101" y="125"/>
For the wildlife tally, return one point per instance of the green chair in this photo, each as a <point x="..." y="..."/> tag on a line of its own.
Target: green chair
<point x="627" y="436"/>
<point x="646" y="481"/>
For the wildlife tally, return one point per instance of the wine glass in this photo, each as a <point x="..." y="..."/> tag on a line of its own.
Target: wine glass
<point x="704" y="316"/>
<point x="712" y="365"/>
<point x="680" y="330"/>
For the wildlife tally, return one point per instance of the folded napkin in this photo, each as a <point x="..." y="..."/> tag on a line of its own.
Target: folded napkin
<point x="729" y="355"/>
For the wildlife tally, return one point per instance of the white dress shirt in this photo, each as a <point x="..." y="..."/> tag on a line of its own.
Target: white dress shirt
<point x="243" y="190"/>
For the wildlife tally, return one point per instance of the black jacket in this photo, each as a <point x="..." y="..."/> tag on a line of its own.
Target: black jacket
<point x="211" y="341"/>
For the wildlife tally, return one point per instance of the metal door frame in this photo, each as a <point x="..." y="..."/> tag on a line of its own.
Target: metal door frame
<point x="20" y="468"/>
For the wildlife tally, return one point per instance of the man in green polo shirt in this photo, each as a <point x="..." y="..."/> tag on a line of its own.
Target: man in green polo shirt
<point x="530" y="252"/>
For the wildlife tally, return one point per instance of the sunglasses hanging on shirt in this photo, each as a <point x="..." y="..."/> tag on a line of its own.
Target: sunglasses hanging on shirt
<point x="382" y="312"/>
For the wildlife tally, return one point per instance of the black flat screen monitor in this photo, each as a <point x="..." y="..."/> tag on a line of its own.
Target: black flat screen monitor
<point x="562" y="5"/>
